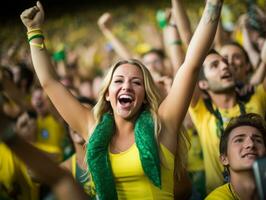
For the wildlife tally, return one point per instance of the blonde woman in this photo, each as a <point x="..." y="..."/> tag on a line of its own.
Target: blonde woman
<point x="131" y="135"/>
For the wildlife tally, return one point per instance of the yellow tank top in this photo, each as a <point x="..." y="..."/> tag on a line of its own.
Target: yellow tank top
<point x="131" y="181"/>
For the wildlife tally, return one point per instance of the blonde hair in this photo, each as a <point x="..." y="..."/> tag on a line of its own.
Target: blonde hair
<point x="153" y="101"/>
<point x="151" y="94"/>
<point x="181" y="155"/>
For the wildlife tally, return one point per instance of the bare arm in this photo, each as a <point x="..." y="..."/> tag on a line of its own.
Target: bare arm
<point x="263" y="62"/>
<point x="174" y="107"/>
<point x="182" y="21"/>
<point x="259" y="74"/>
<point x="104" y="25"/>
<point x="173" y="45"/>
<point x="47" y="170"/>
<point x="13" y="92"/>
<point x="218" y="40"/>
<point x="61" y="68"/>
<point x="252" y="52"/>
<point x="76" y="115"/>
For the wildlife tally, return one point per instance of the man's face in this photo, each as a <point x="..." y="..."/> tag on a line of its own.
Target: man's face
<point x="40" y="101"/>
<point x="245" y="145"/>
<point x="219" y="77"/>
<point x="154" y="63"/>
<point x="236" y="60"/>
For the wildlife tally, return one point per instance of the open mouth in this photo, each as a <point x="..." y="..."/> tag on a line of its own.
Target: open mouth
<point x="39" y="104"/>
<point x="226" y="76"/>
<point x="125" y="100"/>
<point x="250" y="155"/>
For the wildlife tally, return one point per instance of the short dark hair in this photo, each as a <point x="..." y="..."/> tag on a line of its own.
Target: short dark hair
<point x="250" y="119"/>
<point x="158" y="52"/>
<point x="201" y="72"/>
<point x="234" y="43"/>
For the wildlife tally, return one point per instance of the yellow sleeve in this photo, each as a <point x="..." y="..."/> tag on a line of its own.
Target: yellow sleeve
<point x="220" y="193"/>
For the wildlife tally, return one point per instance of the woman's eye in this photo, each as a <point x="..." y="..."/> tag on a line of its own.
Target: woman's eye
<point x="118" y="81"/>
<point x="137" y="83"/>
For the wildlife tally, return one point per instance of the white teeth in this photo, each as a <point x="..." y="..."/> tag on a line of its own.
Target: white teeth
<point x="250" y="155"/>
<point x="126" y="96"/>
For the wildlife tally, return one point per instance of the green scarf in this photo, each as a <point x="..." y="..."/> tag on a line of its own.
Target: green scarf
<point x="98" y="159"/>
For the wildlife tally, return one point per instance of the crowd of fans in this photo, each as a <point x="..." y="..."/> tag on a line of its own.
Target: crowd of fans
<point x="186" y="110"/>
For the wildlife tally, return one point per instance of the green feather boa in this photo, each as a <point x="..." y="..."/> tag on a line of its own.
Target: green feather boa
<point x="98" y="159"/>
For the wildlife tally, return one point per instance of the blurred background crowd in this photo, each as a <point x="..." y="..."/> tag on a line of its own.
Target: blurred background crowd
<point x="81" y="54"/>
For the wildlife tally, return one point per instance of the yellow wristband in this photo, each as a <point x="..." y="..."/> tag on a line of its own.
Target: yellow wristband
<point x="29" y="35"/>
<point x="39" y="46"/>
<point x="34" y="30"/>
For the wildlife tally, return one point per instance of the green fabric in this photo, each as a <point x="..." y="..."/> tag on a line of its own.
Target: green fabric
<point x="161" y="19"/>
<point x="98" y="160"/>
<point x="59" y="55"/>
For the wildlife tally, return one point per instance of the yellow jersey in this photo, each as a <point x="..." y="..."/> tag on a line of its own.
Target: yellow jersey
<point x="224" y="192"/>
<point x="15" y="183"/>
<point x="50" y="135"/>
<point x="205" y="123"/>
<point x="195" y="154"/>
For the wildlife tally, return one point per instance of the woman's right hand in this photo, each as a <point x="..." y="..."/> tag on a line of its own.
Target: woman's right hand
<point x="33" y="17"/>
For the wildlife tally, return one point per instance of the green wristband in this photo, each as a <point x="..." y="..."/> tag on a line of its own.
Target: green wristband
<point x="35" y="36"/>
<point x="176" y="42"/>
<point x="161" y="19"/>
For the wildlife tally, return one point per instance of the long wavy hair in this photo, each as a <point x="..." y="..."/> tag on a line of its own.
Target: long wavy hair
<point x="153" y="101"/>
<point x="151" y="94"/>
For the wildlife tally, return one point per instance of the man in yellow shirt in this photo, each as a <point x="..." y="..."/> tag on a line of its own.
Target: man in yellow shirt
<point x="14" y="180"/>
<point x="50" y="130"/>
<point x="242" y="142"/>
<point x="212" y="111"/>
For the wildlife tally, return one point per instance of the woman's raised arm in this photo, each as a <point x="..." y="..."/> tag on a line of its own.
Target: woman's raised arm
<point x="174" y="107"/>
<point x="76" y="115"/>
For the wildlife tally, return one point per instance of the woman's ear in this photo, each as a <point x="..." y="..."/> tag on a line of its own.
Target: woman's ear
<point x="203" y="84"/>
<point x="224" y="160"/>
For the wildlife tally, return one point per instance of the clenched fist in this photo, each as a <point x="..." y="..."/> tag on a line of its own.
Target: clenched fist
<point x="33" y="17"/>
